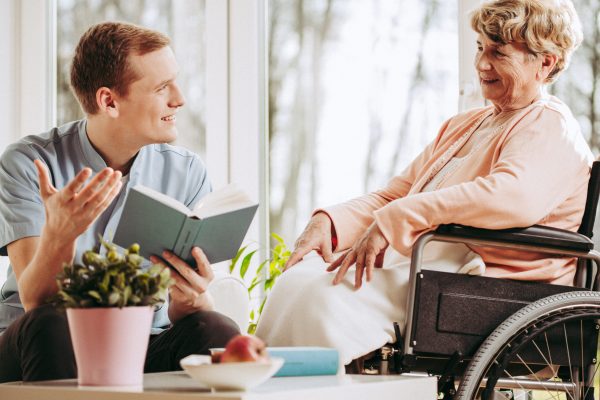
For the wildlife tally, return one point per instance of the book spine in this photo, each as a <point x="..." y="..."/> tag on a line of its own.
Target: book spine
<point x="185" y="239"/>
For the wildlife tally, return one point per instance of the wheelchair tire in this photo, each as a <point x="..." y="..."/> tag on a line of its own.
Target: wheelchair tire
<point x="529" y="329"/>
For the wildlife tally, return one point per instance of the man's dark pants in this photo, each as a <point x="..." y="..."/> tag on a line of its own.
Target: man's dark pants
<point x="37" y="346"/>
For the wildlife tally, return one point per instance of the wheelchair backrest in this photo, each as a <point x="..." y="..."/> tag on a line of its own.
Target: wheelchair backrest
<point x="591" y="204"/>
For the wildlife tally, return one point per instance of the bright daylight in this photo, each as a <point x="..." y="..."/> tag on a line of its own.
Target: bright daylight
<point x="300" y="199"/>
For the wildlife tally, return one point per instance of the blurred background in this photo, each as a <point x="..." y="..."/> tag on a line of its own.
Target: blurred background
<point x="354" y="88"/>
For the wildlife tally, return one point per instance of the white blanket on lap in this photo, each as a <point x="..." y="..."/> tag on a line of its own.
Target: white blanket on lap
<point x="304" y="309"/>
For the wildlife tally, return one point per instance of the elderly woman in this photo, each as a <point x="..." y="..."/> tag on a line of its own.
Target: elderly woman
<point x="518" y="162"/>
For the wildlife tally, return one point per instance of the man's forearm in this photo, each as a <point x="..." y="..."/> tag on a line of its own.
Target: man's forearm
<point x="37" y="282"/>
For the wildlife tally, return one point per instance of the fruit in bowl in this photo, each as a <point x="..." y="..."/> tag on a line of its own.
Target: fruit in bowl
<point x="243" y="348"/>
<point x="241" y="365"/>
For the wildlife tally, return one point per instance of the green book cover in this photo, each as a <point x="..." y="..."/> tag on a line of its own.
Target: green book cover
<point x="158" y="222"/>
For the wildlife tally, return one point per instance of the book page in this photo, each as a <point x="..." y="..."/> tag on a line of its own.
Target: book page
<point x="163" y="198"/>
<point x="226" y="199"/>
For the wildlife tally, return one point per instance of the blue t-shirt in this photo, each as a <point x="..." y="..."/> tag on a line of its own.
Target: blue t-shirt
<point x="66" y="150"/>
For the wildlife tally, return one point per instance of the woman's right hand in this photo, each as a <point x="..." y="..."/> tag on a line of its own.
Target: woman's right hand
<point x="316" y="236"/>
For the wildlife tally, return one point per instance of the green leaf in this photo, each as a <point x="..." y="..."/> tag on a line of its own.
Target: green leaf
<point x="262" y="305"/>
<point x="261" y="267"/>
<point x="252" y="329"/>
<point x="277" y="237"/>
<point x="156" y="269"/>
<point x="254" y="284"/>
<point x="95" y="295"/>
<point x="113" y="299"/>
<point x="234" y="259"/>
<point x="246" y="263"/>
<point x="269" y="284"/>
<point x="126" y="295"/>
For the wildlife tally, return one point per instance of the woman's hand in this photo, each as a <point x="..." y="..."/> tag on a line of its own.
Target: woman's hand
<point x="71" y="210"/>
<point x="188" y="294"/>
<point x="367" y="253"/>
<point x="316" y="236"/>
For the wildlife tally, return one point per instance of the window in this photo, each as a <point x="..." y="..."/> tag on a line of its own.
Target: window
<point x="579" y="85"/>
<point x="357" y="89"/>
<point x="182" y="21"/>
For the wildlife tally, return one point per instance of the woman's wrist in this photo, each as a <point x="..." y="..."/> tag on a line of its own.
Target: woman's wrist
<point x="325" y="219"/>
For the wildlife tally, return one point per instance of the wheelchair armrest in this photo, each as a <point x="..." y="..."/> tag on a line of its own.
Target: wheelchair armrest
<point x="536" y="235"/>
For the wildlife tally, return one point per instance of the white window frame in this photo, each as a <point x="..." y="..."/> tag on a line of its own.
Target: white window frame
<point x="469" y="93"/>
<point x="236" y="120"/>
<point x="29" y="41"/>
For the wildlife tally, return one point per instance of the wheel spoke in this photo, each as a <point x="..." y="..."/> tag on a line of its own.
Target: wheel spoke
<point x="534" y="334"/>
<point x="581" y="343"/>
<point x="568" y="352"/>
<point x="593" y="379"/>
<point x="533" y="373"/>
<point x="548" y="347"/>
<point x="544" y="357"/>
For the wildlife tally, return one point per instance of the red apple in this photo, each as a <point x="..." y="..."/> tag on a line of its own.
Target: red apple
<point x="245" y="348"/>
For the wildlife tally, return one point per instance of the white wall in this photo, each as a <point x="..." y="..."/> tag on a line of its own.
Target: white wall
<point x="8" y="73"/>
<point x="27" y="77"/>
<point x="8" y="78"/>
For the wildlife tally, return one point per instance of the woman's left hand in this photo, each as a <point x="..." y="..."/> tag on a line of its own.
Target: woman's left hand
<point x="367" y="253"/>
<point x="189" y="293"/>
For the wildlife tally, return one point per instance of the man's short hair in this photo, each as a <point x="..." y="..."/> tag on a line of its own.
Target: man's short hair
<point x="101" y="59"/>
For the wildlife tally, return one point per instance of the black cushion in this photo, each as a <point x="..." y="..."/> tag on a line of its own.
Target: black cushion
<point x="536" y="235"/>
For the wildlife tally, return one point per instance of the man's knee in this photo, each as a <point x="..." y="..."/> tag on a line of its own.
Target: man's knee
<point x="38" y="346"/>
<point x="45" y="323"/>
<point x="212" y="328"/>
<point x="212" y="321"/>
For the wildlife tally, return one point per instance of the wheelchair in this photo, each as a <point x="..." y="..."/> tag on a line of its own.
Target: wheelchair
<point x="489" y="338"/>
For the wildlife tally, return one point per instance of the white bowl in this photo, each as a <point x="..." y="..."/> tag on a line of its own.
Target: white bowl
<point x="230" y="376"/>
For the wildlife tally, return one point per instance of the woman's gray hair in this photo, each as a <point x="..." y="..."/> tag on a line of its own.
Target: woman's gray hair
<point x="544" y="26"/>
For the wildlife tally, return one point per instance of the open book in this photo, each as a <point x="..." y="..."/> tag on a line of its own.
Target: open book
<point x="217" y="224"/>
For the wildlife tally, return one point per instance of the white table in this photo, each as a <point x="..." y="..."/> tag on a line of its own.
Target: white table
<point x="178" y="386"/>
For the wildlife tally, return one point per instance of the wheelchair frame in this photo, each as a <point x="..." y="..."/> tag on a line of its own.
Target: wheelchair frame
<point x="537" y="238"/>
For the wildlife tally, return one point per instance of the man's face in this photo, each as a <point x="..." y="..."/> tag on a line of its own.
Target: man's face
<point x="147" y="112"/>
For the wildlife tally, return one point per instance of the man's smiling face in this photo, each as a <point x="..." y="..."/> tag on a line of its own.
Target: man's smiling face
<point x="147" y="111"/>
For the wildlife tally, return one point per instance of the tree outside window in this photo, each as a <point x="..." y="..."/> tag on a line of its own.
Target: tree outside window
<point x="356" y="89"/>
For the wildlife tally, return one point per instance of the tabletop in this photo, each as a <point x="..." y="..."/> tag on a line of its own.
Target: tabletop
<point x="179" y="386"/>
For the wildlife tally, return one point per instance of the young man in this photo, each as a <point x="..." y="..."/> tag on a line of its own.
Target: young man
<point x="51" y="211"/>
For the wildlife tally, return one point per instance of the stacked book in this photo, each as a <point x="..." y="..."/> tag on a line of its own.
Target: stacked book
<point x="305" y="361"/>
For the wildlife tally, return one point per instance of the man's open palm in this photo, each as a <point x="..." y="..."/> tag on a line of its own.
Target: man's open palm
<point x="71" y="210"/>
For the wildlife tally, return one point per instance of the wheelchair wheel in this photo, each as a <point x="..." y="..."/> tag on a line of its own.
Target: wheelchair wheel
<point x="546" y="350"/>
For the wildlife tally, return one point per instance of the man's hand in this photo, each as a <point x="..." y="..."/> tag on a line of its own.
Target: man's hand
<point x="316" y="236"/>
<point x="71" y="210"/>
<point x="188" y="294"/>
<point x="69" y="213"/>
<point x="367" y="253"/>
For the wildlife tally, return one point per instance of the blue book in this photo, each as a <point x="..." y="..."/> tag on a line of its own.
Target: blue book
<point x="306" y="361"/>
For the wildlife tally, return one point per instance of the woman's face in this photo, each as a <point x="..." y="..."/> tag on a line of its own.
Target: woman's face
<point x="509" y="75"/>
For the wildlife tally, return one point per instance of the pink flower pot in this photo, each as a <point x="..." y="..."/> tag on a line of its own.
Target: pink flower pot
<point x="110" y="344"/>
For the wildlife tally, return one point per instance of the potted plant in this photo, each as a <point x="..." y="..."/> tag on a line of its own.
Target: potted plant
<point x="263" y="277"/>
<point x="109" y="301"/>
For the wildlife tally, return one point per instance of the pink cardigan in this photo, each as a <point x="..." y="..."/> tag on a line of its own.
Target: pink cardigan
<point x="535" y="170"/>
